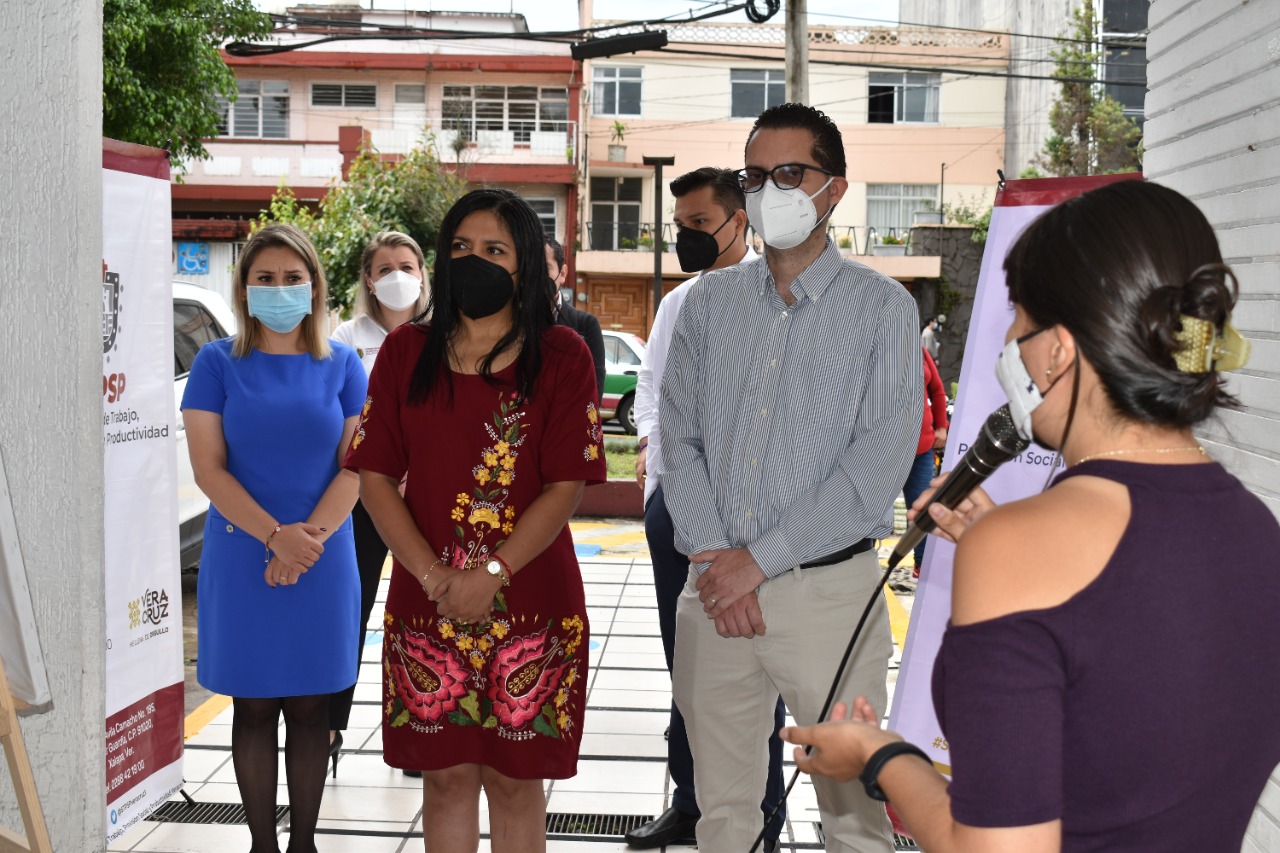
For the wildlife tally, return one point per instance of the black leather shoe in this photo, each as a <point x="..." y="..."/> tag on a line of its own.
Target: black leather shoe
<point x="667" y="828"/>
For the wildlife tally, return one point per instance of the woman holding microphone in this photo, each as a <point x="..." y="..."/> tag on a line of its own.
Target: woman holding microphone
<point x="1092" y="683"/>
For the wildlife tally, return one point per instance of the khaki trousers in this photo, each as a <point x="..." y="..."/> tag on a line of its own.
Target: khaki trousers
<point x="726" y="689"/>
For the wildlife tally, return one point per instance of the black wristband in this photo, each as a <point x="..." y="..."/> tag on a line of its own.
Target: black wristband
<point x="879" y="759"/>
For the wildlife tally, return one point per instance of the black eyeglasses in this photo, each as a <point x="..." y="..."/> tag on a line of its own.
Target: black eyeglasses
<point x="788" y="176"/>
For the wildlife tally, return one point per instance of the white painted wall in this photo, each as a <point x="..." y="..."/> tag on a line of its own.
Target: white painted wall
<point x="1027" y="102"/>
<point x="51" y="420"/>
<point x="1213" y="133"/>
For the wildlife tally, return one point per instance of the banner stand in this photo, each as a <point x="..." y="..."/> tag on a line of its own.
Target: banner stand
<point x="24" y="784"/>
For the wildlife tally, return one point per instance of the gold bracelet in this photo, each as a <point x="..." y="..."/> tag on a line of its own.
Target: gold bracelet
<point x="430" y="568"/>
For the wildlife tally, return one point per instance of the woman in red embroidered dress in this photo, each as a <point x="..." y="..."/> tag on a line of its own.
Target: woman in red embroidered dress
<point x="489" y="412"/>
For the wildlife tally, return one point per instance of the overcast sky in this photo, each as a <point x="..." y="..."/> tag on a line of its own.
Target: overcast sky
<point x="563" y="14"/>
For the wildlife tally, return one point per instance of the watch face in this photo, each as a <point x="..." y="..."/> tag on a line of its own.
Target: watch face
<point x="493" y="567"/>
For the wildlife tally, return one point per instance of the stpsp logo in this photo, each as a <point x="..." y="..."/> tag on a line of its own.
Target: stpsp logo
<point x="110" y="308"/>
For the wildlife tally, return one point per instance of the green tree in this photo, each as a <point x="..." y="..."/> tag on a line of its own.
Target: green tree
<point x="411" y="194"/>
<point x="161" y="70"/>
<point x="1091" y="134"/>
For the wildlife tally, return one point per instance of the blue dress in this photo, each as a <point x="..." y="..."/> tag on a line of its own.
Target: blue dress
<point x="282" y="418"/>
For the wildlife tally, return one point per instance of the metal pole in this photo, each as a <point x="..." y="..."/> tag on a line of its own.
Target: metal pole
<point x="657" y="163"/>
<point x="797" y="51"/>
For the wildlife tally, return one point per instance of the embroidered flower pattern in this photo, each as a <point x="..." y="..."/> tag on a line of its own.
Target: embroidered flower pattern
<point x="426" y="680"/>
<point x="595" y="435"/>
<point x="514" y="674"/>
<point x="364" y="416"/>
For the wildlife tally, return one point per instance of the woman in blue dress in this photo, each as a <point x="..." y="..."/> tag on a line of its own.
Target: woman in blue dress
<point x="269" y="414"/>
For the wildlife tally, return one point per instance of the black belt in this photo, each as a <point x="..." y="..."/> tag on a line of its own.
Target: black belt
<point x="841" y="555"/>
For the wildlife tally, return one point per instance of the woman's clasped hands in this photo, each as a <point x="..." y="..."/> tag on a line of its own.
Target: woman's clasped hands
<point x="294" y="549"/>
<point x="464" y="596"/>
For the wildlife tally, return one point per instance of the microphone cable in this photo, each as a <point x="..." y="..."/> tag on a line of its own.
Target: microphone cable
<point x="831" y="694"/>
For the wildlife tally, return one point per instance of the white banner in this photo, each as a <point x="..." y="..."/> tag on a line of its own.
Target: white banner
<point x="144" y="676"/>
<point x="1017" y="204"/>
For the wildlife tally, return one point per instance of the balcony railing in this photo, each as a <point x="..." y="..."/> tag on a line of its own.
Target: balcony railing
<point x="627" y="236"/>
<point x="610" y="236"/>
<point x="516" y="145"/>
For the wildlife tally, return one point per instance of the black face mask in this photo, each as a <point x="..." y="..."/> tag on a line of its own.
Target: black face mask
<point x="698" y="250"/>
<point x="480" y="288"/>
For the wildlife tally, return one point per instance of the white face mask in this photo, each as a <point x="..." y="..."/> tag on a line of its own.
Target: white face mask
<point x="783" y="218"/>
<point x="1016" y="382"/>
<point x="397" y="290"/>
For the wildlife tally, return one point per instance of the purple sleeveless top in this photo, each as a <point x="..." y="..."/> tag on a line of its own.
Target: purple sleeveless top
<point x="1144" y="711"/>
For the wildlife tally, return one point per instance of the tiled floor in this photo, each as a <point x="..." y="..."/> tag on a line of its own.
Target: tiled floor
<point x="371" y="808"/>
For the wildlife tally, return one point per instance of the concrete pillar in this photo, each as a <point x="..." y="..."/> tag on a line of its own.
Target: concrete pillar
<point x="50" y="385"/>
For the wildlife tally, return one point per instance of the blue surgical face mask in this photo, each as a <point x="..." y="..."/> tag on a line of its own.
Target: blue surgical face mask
<point x="280" y="309"/>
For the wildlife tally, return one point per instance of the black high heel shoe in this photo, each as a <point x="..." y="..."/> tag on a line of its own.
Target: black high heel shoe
<point x="335" y="746"/>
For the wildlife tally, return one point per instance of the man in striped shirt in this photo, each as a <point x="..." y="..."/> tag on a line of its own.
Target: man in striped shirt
<point x="789" y="414"/>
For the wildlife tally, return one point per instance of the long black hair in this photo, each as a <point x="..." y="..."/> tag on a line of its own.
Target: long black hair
<point x="532" y="310"/>
<point x="1117" y="267"/>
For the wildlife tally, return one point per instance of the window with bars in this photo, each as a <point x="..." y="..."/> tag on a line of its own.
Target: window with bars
<point x="523" y="110"/>
<point x="896" y="98"/>
<point x="890" y="206"/>
<point x="344" y="95"/>
<point x="260" y="112"/>
<point x="615" y="91"/>
<point x="754" y="91"/>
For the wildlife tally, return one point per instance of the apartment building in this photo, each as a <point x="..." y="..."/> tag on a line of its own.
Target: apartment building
<point x="1034" y="28"/>
<point x="921" y="112"/>
<point x="502" y="110"/>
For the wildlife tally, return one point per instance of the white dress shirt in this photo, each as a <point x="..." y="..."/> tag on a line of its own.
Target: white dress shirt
<point x="649" y="383"/>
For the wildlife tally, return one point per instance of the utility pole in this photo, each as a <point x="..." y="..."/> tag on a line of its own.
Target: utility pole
<point x="797" y="56"/>
<point x="657" y="163"/>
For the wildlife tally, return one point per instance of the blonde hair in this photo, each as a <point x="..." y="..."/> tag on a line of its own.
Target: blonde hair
<point x="365" y="302"/>
<point x="315" y="326"/>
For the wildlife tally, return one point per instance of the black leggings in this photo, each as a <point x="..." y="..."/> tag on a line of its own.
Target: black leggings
<point x="255" y="726"/>
<point x="371" y="555"/>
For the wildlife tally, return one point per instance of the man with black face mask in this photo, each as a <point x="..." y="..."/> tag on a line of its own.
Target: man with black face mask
<point x="585" y="324"/>
<point x="711" y="216"/>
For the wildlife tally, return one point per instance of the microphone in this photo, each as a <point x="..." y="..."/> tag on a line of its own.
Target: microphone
<point x="998" y="441"/>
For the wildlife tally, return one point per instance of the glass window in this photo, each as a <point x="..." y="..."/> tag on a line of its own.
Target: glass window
<point x="615" y="91"/>
<point x="754" y="91"/>
<point x="343" y="95"/>
<point x="261" y="111"/>
<point x="193" y="327"/>
<point x="890" y="206"/>
<point x="894" y="97"/>
<point x="626" y="355"/>
<point x="1125" y="16"/>
<point x="546" y="210"/>
<point x="411" y="93"/>
<point x="519" y="109"/>
<point x="610" y="350"/>
<point x="615" y="213"/>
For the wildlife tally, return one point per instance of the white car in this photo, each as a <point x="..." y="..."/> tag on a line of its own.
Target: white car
<point x="623" y="353"/>
<point x="199" y="316"/>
